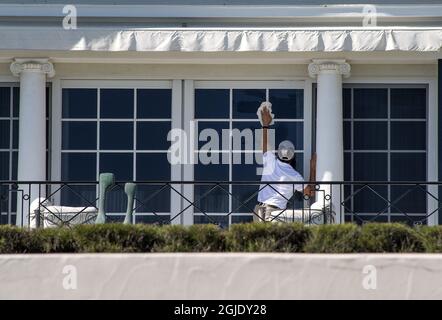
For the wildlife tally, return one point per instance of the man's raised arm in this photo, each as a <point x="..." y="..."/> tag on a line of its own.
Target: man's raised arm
<point x="266" y="120"/>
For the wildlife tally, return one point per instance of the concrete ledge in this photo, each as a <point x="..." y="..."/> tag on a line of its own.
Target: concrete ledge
<point x="221" y="276"/>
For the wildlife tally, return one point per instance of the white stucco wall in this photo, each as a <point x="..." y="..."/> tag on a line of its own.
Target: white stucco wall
<point x="221" y="276"/>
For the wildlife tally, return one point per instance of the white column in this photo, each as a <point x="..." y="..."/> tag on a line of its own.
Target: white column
<point x="329" y="125"/>
<point x="32" y="127"/>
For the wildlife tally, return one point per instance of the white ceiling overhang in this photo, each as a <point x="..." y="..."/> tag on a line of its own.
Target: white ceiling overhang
<point x="221" y="40"/>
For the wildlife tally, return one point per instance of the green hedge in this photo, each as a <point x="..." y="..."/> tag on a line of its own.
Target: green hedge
<point x="252" y="237"/>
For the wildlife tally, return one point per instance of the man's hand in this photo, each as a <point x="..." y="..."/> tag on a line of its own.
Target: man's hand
<point x="266" y="117"/>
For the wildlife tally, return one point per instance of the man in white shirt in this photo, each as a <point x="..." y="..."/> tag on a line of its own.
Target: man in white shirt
<point x="279" y="168"/>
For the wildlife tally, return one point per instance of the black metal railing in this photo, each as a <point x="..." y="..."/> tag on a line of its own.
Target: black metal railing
<point x="60" y="203"/>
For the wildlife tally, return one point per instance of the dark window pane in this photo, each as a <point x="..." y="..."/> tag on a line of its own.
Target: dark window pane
<point x="347" y="135"/>
<point x="247" y="136"/>
<point x="15" y="131"/>
<point x="13" y="196"/>
<point x="152" y="219"/>
<point x="15" y="101"/>
<point x="347" y="166"/>
<point x="152" y="198"/>
<point x="116" y="201"/>
<point x="408" y="135"/>
<point x="120" y="164"/>
<point x="287" y="103"/>
<point x="370" y="199"/>
<point x="4" y="165"/>
<point x="4" y="134"/>
<point x="116" y="135"/>
<point x="370" y="103"/>
<point x="409" y="199"/>
<point x="346" y="103"/>
<point x="79" y="103"/>
<point x="245" y="196"/>
<point x="117" y="103"/>
<point x="370" y="167"/>
<point x="8" y="193"/>
<point x="79" y="196"/>
<point x="347" y="201"/>
<point x="208" y="157"/>
<point x="222" y="221"/>
<point x="293" y="131"/>
<point x="212" y="103"/>
<point x="246" y="168"/>
<point x="242" y="219"/>
<point x="5" y="102"/>
<point x="370" y="135"/>
<point x="211" y="198"/>
<point x="154" y="103"/>
<point x="211" y="172"/>
<point x="153" y="135"/>
<point x="210" y="135"/>
<point x="408" y="167"/>
<point x="408" y="103"/>
<point x="153" y="166"/>
<point x="14" y="165"/>
<point x="246" y="102"/>
<point x="5" y="218"/>
<point x="78" y="166"/>
<point x="79" y="135"/>
<point x="4" y="203"/>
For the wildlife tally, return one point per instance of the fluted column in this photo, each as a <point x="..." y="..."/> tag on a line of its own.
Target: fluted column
<point x="329" y="124"/>
<point x="32" y="127"/>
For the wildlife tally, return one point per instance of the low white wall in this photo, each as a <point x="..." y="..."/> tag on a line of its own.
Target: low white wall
<point x="221" y="276"/>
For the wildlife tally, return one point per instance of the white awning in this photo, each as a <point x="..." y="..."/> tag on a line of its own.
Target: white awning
<point x="217" y="40"/>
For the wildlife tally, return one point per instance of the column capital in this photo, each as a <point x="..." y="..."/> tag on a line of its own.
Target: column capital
<point x="32" y="65"/>
<point x="321" y="66"/>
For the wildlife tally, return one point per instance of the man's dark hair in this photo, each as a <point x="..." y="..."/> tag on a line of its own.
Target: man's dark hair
<point x="291" y="162"/>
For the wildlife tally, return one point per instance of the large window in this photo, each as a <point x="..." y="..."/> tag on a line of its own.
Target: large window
<point x="385" y="139"/>
<point x="232" y="108"/>
<point x="9" y="102"/>
<point x="122" y="130"/>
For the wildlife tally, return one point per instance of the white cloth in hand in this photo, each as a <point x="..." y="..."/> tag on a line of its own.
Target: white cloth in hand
<point x="263" y="105"/>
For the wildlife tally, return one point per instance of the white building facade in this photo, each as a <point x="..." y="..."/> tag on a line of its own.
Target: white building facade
<point x="91" y="88"/>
